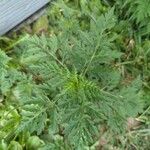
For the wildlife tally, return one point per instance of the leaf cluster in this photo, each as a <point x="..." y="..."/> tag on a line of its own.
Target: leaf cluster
<point x="70" y="84"/>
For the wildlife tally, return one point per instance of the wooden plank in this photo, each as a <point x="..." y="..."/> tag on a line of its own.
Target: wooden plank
<point x="13" y="12"/>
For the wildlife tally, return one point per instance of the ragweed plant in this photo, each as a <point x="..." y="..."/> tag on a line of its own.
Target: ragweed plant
<point x="66" y="86"/>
